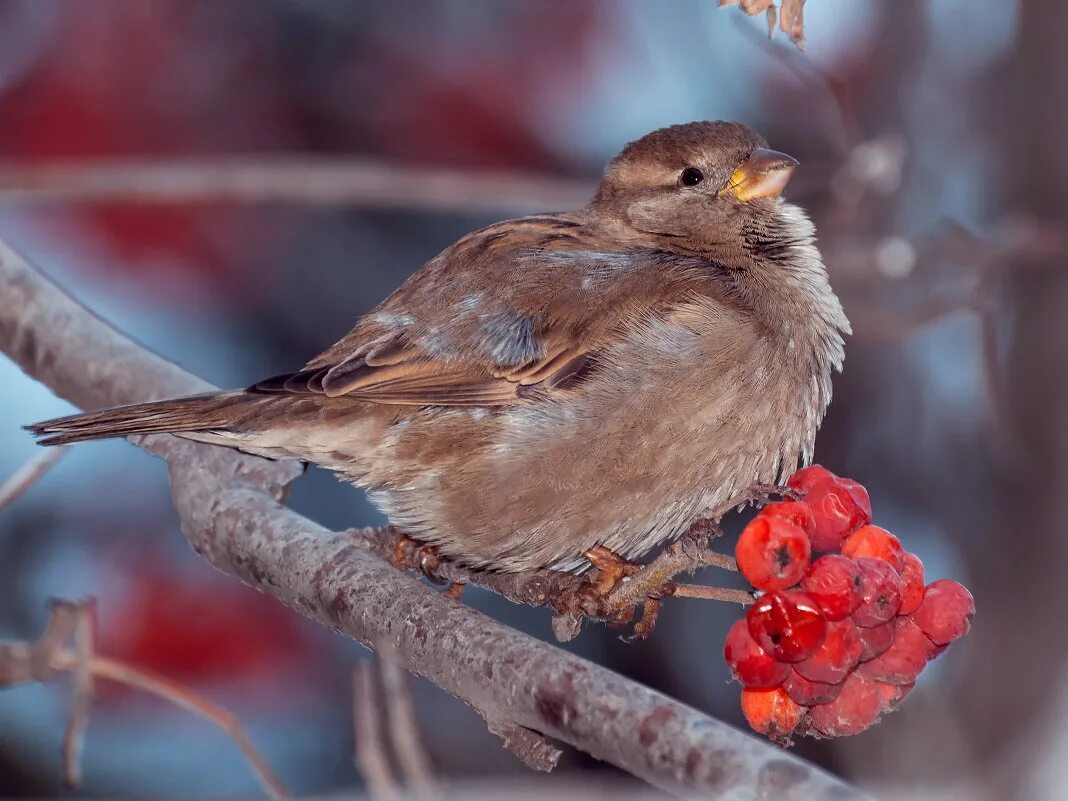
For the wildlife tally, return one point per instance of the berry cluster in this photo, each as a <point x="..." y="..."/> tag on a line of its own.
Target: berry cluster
<point x="831" y="644"/>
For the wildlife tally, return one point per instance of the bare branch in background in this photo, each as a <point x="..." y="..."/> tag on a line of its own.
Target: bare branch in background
<point x="230" y="511"/>
<point x="370" y="754"/>
<point x="78" y="721"/>
<point x="404" y="731"/>
<point x="295" y="179"/>
<point x="27" y="475"/>
<point x="401" y="729"/>
<point x="72" y="624"/>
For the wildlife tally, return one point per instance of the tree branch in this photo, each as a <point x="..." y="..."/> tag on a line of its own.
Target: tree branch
<point x="369" y="748"/>
<point x="300" y="179"/>
<point x="229" y="509"/>
<point x="27" y="475"/>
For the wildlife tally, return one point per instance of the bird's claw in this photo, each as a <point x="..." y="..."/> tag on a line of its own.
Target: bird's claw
<point x="411" y="554"/>
<point x="594" y="598"/>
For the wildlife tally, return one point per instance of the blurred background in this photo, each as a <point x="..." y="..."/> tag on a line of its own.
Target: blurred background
<point x="929" y="135"/>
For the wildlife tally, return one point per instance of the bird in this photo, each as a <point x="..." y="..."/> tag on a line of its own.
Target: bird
<point x="564" y="385"/>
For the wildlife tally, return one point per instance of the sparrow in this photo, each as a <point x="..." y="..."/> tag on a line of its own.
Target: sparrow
<point x="564" y="381"/>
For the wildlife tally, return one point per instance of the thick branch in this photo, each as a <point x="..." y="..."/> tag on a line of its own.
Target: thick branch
<point x="302" y="179"/>
<point x="230" y="511"/>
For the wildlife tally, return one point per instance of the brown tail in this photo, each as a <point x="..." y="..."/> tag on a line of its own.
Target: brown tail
<point x="212" y="412"/>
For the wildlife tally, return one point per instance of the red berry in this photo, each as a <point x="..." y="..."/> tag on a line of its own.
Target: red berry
<point x="946" y="612"/>
<point x="880" y="592"/>
<point x="855" y="709"/>
<point x="903" y="661"/>
<point x="836" y="657"/>
<point x="796" y="512"/>
<point x="875" y="542"/>
<point x="772" y="554"/>
<point x="891" y="695"/>
<point x="839" y="507"/>
<point x="788" y="625"/>
<point x="911" y="572"/>
<point x="809" y="693"/>
<point x="808" y="477"/>
<point x="875" y="639"/>
<point x="771" y="712"/>
<point x="749" y="663"/>
<point x="833" y="582"/>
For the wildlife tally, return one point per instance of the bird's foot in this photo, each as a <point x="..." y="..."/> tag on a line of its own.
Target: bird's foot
<point x="411" y="554"/>
<point x="609" y="569"/>
<point x="599" y="597"/>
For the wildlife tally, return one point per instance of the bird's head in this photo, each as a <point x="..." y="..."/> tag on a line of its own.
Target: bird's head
<point x="710" y="188"/>
<point x="713" y="190"/>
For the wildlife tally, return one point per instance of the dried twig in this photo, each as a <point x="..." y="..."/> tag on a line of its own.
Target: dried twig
<point x="193" y="702"/>
<point x="25" y="477"/>
<point x="533" y="750"/>
<point x="78" y="721"/>
<point x="790" y="16"/>
<point x="296" y="179"/>
<point x="403" y="729"/>
<point x="713" y="593"/>
<point x="228" y="505"/>
<point x="370" y="754"/>
<point x="21" y="663"/>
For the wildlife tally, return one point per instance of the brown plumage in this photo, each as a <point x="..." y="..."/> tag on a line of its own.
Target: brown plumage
<point x="560" y="381"/>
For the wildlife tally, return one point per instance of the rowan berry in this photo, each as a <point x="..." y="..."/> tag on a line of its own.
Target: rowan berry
<point x="912" y="588"/>
<point x="877" y="543"/>
<point x="880" y="592"/>
<point x="891" y="695"/>
<point x="836" y="657"/>
<point x="796" y="512"/>
<point x="903" y="661"/>
<point x="833" y="582"/>
<point x="749" y="663"/>
<point x="771" y="712"/>
<point x="772" y="553"/>
<point x="788" y="625"/>
<point x="808" y="477"/>
<point x="809" y="693"/>
<point x="875" y="639"/>
<point x="946" y="612"/>
<point x="856" y="708"/>
<point x="839" y="507"/>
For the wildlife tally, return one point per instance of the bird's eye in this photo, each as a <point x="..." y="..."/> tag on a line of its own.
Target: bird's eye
<point x="691" y="176"/>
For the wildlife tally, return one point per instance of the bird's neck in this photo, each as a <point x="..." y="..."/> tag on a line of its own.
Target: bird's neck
<point x="805" y="312"/>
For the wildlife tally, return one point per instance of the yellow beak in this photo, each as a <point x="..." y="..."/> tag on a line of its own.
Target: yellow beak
<point x="763" y="174"/>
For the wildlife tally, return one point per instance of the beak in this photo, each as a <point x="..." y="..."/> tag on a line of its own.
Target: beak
<point x="763" y="174"/>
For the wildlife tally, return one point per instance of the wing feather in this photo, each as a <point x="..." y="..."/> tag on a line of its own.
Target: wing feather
<point x="506" y="315"/>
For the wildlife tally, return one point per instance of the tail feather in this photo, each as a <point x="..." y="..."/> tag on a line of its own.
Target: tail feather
<point x="212" y="412"/>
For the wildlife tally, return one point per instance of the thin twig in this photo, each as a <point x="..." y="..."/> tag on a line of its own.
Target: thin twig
<point x="294" y="179"/>
<point x="713" y="593"/>
<point x="182" y="696"/>
<point x="403" y="728"/>
<point x="78" y="721"/>
<point x="691" y="551"/>
<point x="25" y="477"/>
<point x="370" y="752"/>
<point x="71" y="623"/>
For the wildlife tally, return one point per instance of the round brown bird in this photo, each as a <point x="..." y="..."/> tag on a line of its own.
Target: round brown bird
<point x="562" y="381"/>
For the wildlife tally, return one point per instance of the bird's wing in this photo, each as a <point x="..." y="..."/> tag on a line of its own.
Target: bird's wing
<point x="515" y="311"/>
